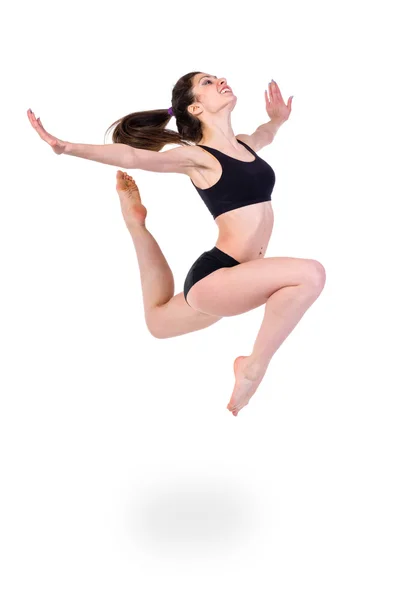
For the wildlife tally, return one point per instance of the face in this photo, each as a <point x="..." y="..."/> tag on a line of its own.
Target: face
<point x="207" y="90"/>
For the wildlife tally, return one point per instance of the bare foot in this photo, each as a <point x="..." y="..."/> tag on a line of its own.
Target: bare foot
<point x="247" y="381"/>
<point x="132" y="208"/>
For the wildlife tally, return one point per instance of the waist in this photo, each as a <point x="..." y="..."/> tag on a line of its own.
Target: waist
<point x="244" y="233"/>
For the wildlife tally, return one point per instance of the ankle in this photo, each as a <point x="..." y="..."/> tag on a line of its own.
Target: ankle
<point x="137" y="229"/>
<point x="254" y="368"/>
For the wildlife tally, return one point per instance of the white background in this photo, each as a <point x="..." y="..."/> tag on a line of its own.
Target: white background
<point x="123" y="475"/>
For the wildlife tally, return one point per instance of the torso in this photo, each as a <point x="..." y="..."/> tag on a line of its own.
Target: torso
<point x="244" y="233"/>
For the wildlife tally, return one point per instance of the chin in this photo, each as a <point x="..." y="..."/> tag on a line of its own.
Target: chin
<point x="234" y="100"/>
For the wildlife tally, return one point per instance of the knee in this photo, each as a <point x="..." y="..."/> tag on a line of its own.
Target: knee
<point x="156" y="333"/>
<point x="154" y="329"/>
<point x="316" y="275"/>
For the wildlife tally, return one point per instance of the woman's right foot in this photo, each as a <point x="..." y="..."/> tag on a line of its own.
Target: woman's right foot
<point x="132" y="208"/>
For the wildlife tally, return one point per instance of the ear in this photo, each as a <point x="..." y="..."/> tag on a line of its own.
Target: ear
<point x="194" y="109"/>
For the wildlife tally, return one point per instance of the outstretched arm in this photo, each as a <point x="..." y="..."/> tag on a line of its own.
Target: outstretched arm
<point x="178" y="160"/>
<point x="118" y="155"/>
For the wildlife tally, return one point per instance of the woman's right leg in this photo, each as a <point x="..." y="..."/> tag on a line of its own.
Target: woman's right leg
<point x="167" y="315"/>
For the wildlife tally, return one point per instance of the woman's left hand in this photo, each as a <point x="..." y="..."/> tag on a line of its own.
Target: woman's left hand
<point x="276" y="108"/>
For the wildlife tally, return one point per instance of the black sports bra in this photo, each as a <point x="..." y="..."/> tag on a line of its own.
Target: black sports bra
<point x="240" y="184"/>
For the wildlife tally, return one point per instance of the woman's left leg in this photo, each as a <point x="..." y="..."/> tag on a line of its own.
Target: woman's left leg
<point x="166" y="315"/>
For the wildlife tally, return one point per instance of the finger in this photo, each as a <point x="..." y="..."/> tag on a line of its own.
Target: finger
<point x="33" y="119"/>
<point x="271" y="90"/>
<point x="43" y="134"/>
<point x="278" y="94"/>
<point x="36" y="124"/>
<point x="277" y="91"/>
<point x="41" y="125"/>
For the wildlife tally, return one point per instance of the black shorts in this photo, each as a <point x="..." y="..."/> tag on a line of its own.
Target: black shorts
<point x="207" y="263"/>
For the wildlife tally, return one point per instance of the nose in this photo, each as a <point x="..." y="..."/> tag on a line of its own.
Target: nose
<point x="222" y="81"/>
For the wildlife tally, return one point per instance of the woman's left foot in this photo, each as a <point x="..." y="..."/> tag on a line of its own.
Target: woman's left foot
<point x="245" y="385"/>
<point x="132" y="208"/>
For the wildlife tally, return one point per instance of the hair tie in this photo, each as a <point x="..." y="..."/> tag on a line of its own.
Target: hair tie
<point x="170" y="111"/>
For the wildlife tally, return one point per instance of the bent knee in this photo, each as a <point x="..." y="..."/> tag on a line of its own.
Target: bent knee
<point x="158" y="333"/>
<point x="153" y="327"/>
<point x="316" y="276"/>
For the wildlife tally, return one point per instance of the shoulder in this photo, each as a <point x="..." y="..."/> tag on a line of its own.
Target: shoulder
<point x="247" y="139"/>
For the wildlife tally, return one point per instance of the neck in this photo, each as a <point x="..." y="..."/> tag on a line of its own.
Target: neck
<point x="218" y="132"/>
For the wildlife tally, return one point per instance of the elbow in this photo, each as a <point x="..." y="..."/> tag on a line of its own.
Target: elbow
<point x="130" y="158"/>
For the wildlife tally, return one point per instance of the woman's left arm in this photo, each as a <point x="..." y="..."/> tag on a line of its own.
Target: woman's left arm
<point x="277" y="111"/>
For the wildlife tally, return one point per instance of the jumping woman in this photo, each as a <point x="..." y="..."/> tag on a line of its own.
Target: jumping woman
<point x="235" y="185"/>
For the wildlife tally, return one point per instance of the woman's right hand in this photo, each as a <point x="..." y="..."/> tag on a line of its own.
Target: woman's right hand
<point x="57" y="145"/>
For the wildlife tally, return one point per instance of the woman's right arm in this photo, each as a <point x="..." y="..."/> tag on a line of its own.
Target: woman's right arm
<point x="178" y="160"/>
<point x="118" y="155"/>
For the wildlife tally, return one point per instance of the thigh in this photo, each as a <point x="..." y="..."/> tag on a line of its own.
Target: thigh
<point x="207" y="263"/>
<point x="176" y="317"/>
<point x="238" y="289"/>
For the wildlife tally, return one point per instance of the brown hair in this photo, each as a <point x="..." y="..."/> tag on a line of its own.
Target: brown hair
<point x="147" y="129"/>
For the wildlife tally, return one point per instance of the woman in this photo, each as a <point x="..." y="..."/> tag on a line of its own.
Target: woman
<point x="236" y="185"/>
